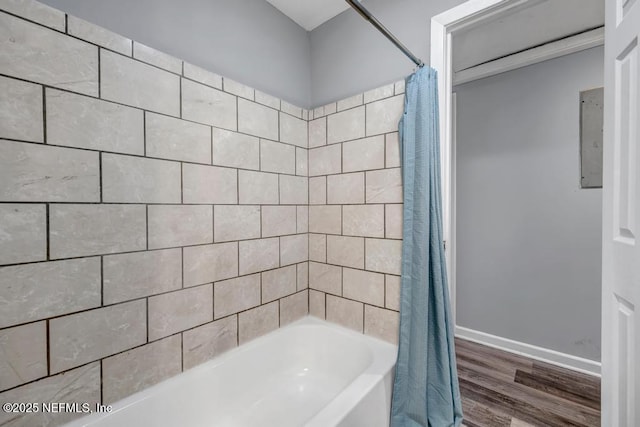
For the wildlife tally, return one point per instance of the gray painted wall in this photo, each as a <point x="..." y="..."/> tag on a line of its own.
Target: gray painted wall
<point x="529" y="239"/>
<point x="246" y="40"/>
<point x="349" y="56"/>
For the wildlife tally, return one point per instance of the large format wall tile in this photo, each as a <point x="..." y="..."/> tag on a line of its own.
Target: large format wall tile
<point x="34" y="172"/>
<point x="318" y="190"/>
<point x="207" y="105"/>
<point x="259" y="255"/>
<point x="384" y="186"/>
<point x="293" y="130"/>
<point x="23" y="233"/>
<point x="292" y="110"/>
<point x="210" y="263"/>
<point x="363" y="220"/>
<point x="302" y="162"/>
<point x="303" y="275"/>
<point x="294" y="190"/>
<point x="294" y="307"/>
<point x="363" y="286"/>
<point x="235" y="150"/>
<point x="258" y="120"/>
<point x="84" y="337"/>
<point x="140" y="274"/>
<point x="180" y="310"/>
<point x="175" y="139"/>
<point x="378" y="93"/>
<point x="239" y="89"/>
<point x="392" y="292"/>
<point x="393" y="221"/>
<point x="32" y="292"/>
<point x="302" y="219"/>
<point x="294" y="249"/>
<point x="383" y="255"/>
<point x="381" y="323"/>
<point x="347" y="313"/>
<point x="35" y="11"/>
<point x="326" y="278"/>
<point x="278" y="220"/>
<point x="201" y="75"/>
<point x="236" y="223"/>
<point x="352" y="101"/>
<point x="92" y="33"/>
<point x="317" y="304"/>
<point x="128" y="179"/>
<point x="325" y="160"/>
<point x="392" y="150"/>
<point x="171" y="226"/>
<point x="277" y="157"/>
<point x="154" y="57"/>
<point x="346" y="125"/>
<point x="383" y="116"/>
<point x="318" y="247"/>
<point x="24" y="354"/>
<point x="318" y="132"/>
<point x="235" y="295"/>
<point x="278" y="283"/>
<point x="257" y="188"/>
<point x="325" y="219"/>
<point x="81" y="230"/>
<point x="85" y="122"/>
<point x="78" y="385"/>
<point x="142" y="367"/>
<point x="363" y="154"/>
<point x="257" y="322"/>
<point x="346" y="251"/>
<point x="209" y="184"/>
<point x="268" y="100"/>
<point x="34" y="53"/>
<point x="21" y="114"/>
<point x="134" y="83"/>
<point x="207" y="341"/>
<point x="345" y="189"/>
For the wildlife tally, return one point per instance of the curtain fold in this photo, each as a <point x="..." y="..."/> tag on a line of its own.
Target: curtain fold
<point x="425" y="390"/>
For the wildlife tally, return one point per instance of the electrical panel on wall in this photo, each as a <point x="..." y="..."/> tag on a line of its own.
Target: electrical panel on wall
<point x="591" y="124"/>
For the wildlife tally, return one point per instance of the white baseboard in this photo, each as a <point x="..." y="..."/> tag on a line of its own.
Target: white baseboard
<point x="531" y="351"/>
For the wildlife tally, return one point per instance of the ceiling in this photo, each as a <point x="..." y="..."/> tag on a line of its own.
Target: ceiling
<point x="544" y="22"/>
<point x="310" y="13"/>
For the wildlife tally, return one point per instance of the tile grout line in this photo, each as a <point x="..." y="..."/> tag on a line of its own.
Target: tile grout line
<point x="48" y="232"/>
<point x="44" y="114"/>
<point x="101" y="281"/>
<point x="144" y="132"/>
<point x="48" y="338"/>
<point x="146" y="207"/>
<point x="100" y="173"/>
<point x="99" y="73"/>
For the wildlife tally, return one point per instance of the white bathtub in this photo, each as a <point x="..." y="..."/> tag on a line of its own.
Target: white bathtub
<point x="310" y="373"/>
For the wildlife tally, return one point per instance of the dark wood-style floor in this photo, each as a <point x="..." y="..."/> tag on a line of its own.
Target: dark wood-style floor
<point x="501" y="389"/>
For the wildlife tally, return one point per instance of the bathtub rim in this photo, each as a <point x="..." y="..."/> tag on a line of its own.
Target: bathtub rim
<point x="383" y="361"/>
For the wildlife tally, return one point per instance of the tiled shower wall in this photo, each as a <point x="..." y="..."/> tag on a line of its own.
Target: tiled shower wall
<point x="152" y="214"/>
<point x="355" y="212"/>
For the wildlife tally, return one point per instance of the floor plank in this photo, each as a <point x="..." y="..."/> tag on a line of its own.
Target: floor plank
<point x="502" y="389"/>
<point x="556" y="389"/>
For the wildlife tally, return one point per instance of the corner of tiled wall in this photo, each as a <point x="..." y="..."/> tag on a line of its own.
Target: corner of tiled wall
<point x="152" y="214"/>
<point x="355" y="212"/>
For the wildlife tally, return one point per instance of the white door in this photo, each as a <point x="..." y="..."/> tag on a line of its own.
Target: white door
<point x="621" y="217"/>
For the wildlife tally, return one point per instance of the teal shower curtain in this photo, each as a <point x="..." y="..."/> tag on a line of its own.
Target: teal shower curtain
<point x="425" y="389"/>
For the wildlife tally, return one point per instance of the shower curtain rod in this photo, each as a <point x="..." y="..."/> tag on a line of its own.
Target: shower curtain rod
<point x="369" y="17"/>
